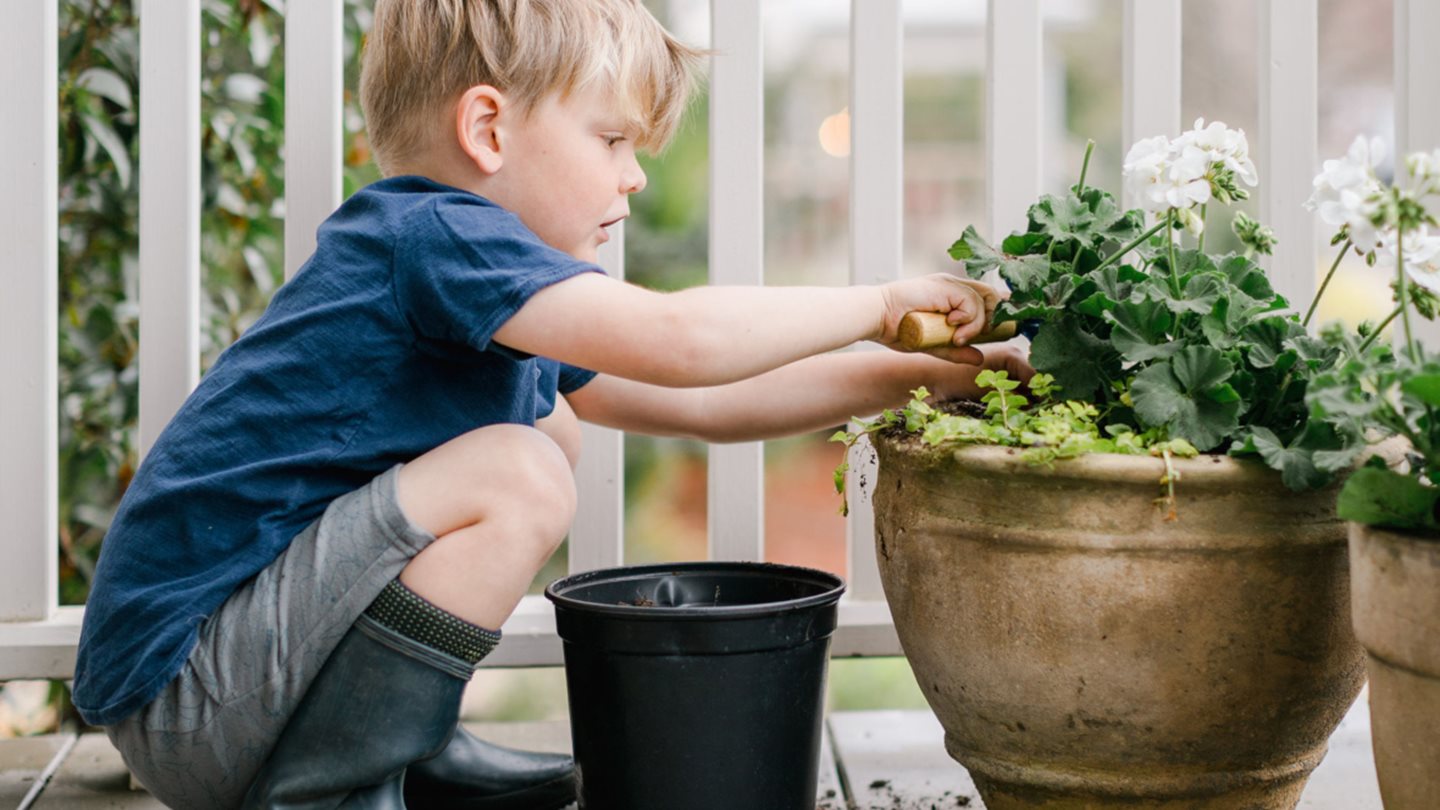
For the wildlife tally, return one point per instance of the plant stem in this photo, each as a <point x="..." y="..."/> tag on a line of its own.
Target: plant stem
<point x="1126" y="249"/>
<point x="1381" y="328"/>
<point x="1326" y="283"/>
<point x="1084" y="168"/>
<point x="1200" y="242"/>
<point x="1170" y="242"/>
<point x="1401" y="289"/>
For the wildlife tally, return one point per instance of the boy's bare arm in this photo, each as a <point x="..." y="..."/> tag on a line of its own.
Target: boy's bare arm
<point x="804" y="396"/>
<point x="708" y="336"/>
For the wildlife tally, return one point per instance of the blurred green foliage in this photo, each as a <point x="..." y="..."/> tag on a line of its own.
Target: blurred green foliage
<point x="242" y="229"/>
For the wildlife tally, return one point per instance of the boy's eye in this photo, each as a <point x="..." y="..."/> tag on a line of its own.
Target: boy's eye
<point x="611" y="140"/>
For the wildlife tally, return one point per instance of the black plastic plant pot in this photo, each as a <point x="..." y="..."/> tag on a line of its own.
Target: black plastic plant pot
<point x="696" y="685"/>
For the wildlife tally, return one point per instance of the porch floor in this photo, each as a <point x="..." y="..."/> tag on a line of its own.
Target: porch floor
<point x="873" y="760"/>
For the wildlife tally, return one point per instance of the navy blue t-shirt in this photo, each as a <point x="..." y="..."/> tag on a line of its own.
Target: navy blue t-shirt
<point x="378" y="350"/>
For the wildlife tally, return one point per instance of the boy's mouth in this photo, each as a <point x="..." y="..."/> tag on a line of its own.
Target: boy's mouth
<point x="605" y="228"/>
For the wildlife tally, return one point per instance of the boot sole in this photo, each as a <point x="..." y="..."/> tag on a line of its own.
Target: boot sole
<point x="552" y="795"/>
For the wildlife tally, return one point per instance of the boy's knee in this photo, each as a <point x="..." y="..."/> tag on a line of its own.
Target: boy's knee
<point x="539" y="485"/>
<point x="512" y="475"/>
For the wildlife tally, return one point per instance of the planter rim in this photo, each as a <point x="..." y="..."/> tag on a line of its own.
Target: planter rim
<point x="1215" y="470"/>
<point x="831" y="588"/>
<point x="1393" y="535"/>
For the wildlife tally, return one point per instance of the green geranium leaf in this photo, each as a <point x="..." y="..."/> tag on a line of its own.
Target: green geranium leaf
<point x="1204" y="291"/>
<point x="1006" y="311"/>
<point x="1181" y="396"/>
<point x="1058" y="292"/>
<point x="1424" y="387"/>
<point x="975" y="252"/>
<point x="1077" y="359"/>
<point x="1266" y="340"/>
<point x="1219" y="325"/>
<point x="1086" y="260"/>
<point x="1192" y="262"/>
<point x="1296" y="461"/>
<point x="1141" y="331"/>
<point x="1313" y="353"/>
<point x="1246" y="276"/>
<point x="1020" y="244"/>
<point x="1026" y="274"/>
<point x="1380" y="497"/>
<point x="1114" y="284"/>
<point x="1201" y="368"/>
<point x="1091" y="218"/>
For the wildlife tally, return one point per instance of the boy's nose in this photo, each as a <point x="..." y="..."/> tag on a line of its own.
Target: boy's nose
<point x="634" y="180"/>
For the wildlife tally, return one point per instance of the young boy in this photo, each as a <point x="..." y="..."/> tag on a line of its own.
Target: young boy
<point x="322" y="545"/>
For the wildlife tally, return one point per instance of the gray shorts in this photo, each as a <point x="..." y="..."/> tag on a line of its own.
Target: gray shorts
<point x="199" y="744"/>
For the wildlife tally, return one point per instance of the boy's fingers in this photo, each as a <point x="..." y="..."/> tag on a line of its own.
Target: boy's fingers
<point x="971" y="306"/>
<point x="967" y="355"/>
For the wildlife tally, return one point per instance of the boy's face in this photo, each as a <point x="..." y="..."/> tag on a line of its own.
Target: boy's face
<point x="569" y="171"/>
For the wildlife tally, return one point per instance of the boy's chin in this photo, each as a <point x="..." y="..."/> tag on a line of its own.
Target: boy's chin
<point x="586" y="253"/>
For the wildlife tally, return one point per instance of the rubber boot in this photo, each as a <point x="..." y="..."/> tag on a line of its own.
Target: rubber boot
<point x="371" y="711"/>
<point x="471" y="774"/>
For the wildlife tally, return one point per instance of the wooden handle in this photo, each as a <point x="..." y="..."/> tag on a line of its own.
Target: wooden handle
<point x="926" y="330"/>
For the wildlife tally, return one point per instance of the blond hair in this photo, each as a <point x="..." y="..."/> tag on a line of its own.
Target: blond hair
<point x="421" y="55"/>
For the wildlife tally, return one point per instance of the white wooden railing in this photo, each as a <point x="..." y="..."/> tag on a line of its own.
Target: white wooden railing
<point x="38" y="637"/>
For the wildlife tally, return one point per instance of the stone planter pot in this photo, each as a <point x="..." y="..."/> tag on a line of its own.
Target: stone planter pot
<point x="1083" y="652"/>
<point x="1396" y="604"/>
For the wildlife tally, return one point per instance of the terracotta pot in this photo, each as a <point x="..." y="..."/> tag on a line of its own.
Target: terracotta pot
<point x="1083" y="652"/>
<point x="1396" y="605"/>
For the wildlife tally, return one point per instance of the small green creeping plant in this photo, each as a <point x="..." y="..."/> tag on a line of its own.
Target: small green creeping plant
<point x="1048" y="431"/>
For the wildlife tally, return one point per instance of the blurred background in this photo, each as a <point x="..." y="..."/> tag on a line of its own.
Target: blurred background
<point x="806" y="235"/>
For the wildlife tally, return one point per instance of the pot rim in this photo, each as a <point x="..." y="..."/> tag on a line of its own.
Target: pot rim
<point x="1392" y="535"/>
<point x="1206" y="469"/>
<point x="834" y="587"/>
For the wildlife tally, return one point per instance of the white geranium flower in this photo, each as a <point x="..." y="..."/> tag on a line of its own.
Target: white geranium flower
<point x="1222" y="145"/>
<point x="1424" y="166"/>
<point x="1146" y="165"/>
<point x="1422" y="256"/>
<point x="1188" y="184"/>
<point x="1161" y="175"/>
<point x="1347" y="192"/>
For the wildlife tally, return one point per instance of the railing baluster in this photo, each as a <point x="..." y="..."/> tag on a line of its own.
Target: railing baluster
<point x="1151" y="70"/>
<point x="1417" y="77"/>
<point x="877" y="211"/>
<point x="314" y="96"/>
<point x="28" y="321"/>
<point x="1287" y="154"/>
<point x="169" y="211"/>
<point x="736" y="485"/>
<point x="1013" y="97"/>
<point x="597" y="540"/>
<point x="1417" y="86"/>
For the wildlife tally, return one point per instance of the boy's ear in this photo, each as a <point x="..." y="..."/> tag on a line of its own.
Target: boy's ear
<point x="477" y="126"/>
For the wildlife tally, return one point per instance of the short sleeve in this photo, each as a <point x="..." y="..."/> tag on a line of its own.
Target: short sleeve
<point x="573" y="378"/>
<point x="463" y="266"/>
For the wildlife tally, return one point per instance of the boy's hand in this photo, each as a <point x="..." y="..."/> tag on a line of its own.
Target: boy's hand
<point x="957" y="381"/>
<point x="969" y="305"/>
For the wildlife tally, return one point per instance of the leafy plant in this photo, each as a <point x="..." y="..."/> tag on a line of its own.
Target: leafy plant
<point x="1378" y="390"/>
<point x="1158" y="345"/>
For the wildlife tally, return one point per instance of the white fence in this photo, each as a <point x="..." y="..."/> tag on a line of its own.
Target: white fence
<point x="38" y="637"/>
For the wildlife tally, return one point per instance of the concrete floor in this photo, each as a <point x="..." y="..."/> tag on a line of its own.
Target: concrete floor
<point x="874" y="760"/>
